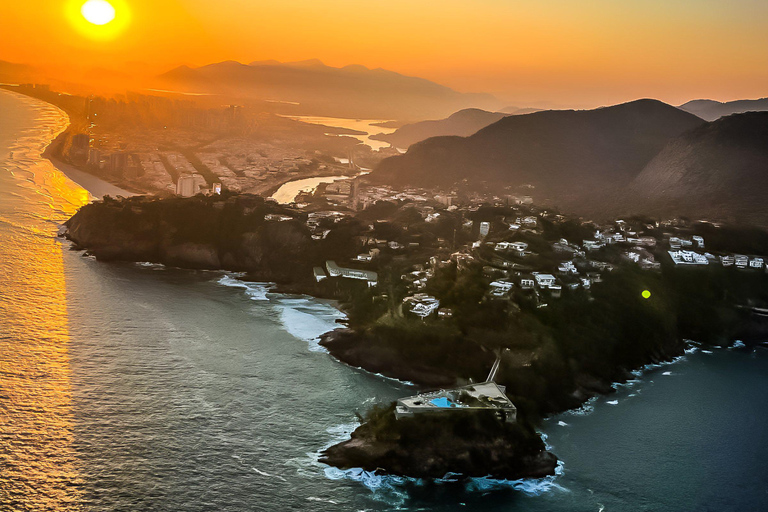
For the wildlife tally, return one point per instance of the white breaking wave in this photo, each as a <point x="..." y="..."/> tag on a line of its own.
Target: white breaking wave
<point x="587" y="407"/>
<point x="612" y="402"/>
<point x="307" y="320"/>
<point x="264" y="473"/>
<point x="255" y="291"/>
<point x="315" y="498"/>
<point x="149" y="264"/>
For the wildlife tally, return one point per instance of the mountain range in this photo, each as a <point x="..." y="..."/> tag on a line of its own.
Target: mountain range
<point x="711" y="110"/>
<point x="311" y="87"/>
<point x="567" y="155"/>
<point x="463" y="123"/>
<point x="642" y="157"/>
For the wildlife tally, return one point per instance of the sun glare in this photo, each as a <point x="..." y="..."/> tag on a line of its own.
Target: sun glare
<point x="98" y="12"/>
<point x="99" y="20"/>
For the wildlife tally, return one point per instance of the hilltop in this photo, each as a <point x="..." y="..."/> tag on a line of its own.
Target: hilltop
<point x="711" y="110"/>
<point x="462" y="123"/>
<point x="719" y="169"/>
<point x="569" y="156"/>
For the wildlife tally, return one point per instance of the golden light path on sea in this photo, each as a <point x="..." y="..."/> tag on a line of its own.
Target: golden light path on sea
<point x="39" y="464"/>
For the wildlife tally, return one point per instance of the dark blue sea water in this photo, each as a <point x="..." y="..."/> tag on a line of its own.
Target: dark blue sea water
<point x="136" y="387"/>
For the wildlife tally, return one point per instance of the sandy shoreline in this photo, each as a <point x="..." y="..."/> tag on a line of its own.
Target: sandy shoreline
<point x="95" y="186"/>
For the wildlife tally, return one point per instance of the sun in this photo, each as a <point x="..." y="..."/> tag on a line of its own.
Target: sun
<point x="98" y="12"/>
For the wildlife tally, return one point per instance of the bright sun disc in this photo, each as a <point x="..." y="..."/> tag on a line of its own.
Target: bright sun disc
<point x="98" y="12"/>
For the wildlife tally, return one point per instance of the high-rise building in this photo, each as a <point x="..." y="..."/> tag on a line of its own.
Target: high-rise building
<point x="189" y="184"/>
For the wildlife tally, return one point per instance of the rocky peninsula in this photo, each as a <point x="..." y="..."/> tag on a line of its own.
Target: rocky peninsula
<point x="553" y="355"/>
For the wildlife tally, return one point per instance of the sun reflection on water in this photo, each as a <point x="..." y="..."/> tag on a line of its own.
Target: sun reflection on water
<point x="38" y="466"/>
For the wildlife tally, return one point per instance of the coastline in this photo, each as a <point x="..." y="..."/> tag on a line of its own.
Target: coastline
<point x="96" y="187"/>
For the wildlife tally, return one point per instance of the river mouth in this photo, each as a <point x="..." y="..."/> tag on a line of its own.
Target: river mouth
<point x="367" y="126"/>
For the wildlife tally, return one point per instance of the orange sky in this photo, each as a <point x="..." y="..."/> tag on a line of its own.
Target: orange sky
<point x="562" y="52"/>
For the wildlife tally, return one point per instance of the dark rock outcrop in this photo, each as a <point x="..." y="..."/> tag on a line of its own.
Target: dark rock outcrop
<point x="430" y="446"/>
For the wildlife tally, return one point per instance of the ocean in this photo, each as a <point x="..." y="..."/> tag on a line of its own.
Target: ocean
<point x="138" y="387"/>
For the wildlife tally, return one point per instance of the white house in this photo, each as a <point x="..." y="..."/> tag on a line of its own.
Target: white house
<point x="544" y="280"/>
<point x="683" y="257"/>
<point x="500" y="288"/>
<point x="351" y="273"/>
<point x="527" y="282"/>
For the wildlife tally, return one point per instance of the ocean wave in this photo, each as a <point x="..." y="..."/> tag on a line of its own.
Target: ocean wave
<point x="587" y="407"/>
<point x="393" y="488"/>
<point x="307" y="320"/>
<point x="254" y="291"/>
<point x="149" y="264"/>
<point x="268" y="475"/>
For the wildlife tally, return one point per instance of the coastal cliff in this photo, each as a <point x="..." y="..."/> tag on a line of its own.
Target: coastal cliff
<point x="217" y="232"/>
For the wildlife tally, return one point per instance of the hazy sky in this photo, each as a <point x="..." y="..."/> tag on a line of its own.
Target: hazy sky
<point x="569" y="52"/>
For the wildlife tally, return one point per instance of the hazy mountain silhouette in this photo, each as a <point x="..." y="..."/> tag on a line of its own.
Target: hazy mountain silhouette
<point x="463" y="123"/>
<point x="15" y="73"/>
<point x="569" y="156"/>
<point x="351" y="91"/>
<point x="719" y="169"/>
<point x="518" y="111"/>
<point x="711" y="110"/>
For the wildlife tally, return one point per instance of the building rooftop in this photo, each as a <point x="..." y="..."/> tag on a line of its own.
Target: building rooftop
<point x="483" y="396"/>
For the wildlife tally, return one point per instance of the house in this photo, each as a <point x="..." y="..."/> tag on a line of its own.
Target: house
<point x="421" y="304"/>
<point x="544" y="280"/>
<point x="371" y="277"/>
<point x="445" y="313"/>
<point x="567" y="267"/>
<point x="741" y="261"/>
<point x="698" y="240"/>
<point x="500" y="289"/>
<point x="683" y="257"/>
<point x="556" y="290"/>
<point x="527" y="282"/>
<point x="475" y="397"/>
<point x="319" y="274"/>
<point x="519" y="249"/>
<point x="727" y="260"/>
<point x="756" y="263"/>
<point x="592" y="245"/>
<point x="595" y="277"/>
